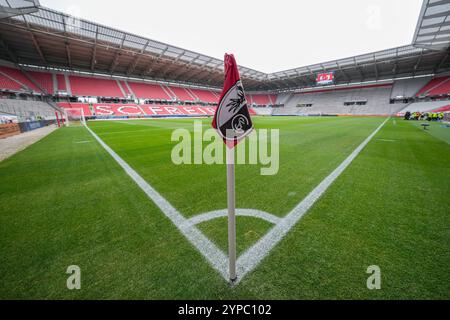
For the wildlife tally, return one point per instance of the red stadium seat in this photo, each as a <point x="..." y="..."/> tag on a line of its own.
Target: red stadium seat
<point x="273" y="99"/>
<point x="432" y="85"/>
<point x="125" y="88"/>
<point x="148" y="91"/>
<point x="205" y="95"/>
<point x="442" y="88"/>
<point x="261" y="99"/>
<point x="45" y="80"/>
<point x="82" y="86"/>
<point x="61" y="81"/>
<point x="19" y="77"/>
<point x="8" y="84"/>
<point x="68" y="105"/>
<point x="96" y="87"/>
<point x="182" y="94"/>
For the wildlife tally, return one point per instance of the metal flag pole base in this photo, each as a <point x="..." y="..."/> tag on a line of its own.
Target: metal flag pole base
<point x="232" y="282"/>
<point x="231" y="215"/>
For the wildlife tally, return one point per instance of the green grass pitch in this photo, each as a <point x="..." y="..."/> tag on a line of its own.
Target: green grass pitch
<point x="65" y="201"/>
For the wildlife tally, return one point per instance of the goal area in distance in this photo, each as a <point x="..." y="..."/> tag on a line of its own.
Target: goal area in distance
<point x="74" y="117"/>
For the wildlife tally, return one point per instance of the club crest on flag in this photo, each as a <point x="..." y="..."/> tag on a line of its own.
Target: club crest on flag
<point x="232" y="119"/>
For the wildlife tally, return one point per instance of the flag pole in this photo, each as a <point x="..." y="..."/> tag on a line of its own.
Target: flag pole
<point x="233" y="122"/>
<point x="231" y="214"/>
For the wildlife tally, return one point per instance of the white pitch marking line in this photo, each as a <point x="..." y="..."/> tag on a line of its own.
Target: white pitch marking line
<point x="387" y="140"/>
<point x="239" y="212"/>
<point x="207" y="248"/>
<point x="249" y="260"/>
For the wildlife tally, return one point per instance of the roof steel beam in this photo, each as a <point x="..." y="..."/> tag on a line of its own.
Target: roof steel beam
<point x="441" y="62"/>
<point x="438" y="3"/>
<point x="135" y="62"/>
<point x="117" y="56"/>
<point x="94" y="50"/>
<point x="69" y="56"/>
<point x="12" y="55"/>
<point x="35" y="42"/>
<point x="375" y="67"/>
<point x="38" y="48"/>
<point x="357" y="67"/>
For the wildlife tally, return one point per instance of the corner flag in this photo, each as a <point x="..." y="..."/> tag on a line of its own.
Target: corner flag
<point x="232" y="119"/>
<point x="233" y="123"/>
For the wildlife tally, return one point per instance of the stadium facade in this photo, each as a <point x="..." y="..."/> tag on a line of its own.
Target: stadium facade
<point x="62" y="61"/>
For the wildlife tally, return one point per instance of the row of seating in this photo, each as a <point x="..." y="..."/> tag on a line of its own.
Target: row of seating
<point x="135" y="110"/>
<point x="426" y="106"/>
<point x="408" y="88"/>
<point x="436" y="87"/>
<point x="261" y="99"/>
<point x="365" y="100"/>
<point x="52" y="83"/>
<point x="27" y="109"/>
<point x="17" y="79"/>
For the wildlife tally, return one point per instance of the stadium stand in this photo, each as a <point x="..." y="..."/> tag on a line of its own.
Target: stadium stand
<point x="27" y="109"/>
<point x="273" y="99"/>
<point x="263" y="111"/>
<point x="428" y="106"/>
<point x="44" y="80"/>
<point x="358" y="100"/>
<point x="73" y="85"/>
<point x="433" y="87"/>
<point x="126" y="89"/>
<point x="442" y="89"/>
<point x="205" y="95"/>
<point x="8" y="84"/>
<point x="261" y="99"/>
<point x="408" y="88"/>
<point x="19" y="77"/>
<point x="86" y="108"/>
<point x="283" y="99"/>
<point x="181" y="94"/>
<point x="148" y="91"/>
<point x="442" y="109"/>
<point x="61" y="83"/>
<point x="94" y="87"/>
<point x="366" y="100"/>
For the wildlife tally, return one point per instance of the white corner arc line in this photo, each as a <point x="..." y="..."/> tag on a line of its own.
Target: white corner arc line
<point x="239" y="212"/>
<point x="208" y="249"/>
<point x="250" y="259"/>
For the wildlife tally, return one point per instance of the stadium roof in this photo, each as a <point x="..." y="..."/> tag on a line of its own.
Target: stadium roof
<point x="433" y="28"/>
<point x="51" y="39"/>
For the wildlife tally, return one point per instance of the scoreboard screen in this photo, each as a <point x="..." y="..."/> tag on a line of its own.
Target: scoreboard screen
<point x="325" y="78"/>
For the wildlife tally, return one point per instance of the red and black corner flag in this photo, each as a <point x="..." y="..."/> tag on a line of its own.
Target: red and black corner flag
<point x="232" y="119"/>
<point x="233" y="123"/>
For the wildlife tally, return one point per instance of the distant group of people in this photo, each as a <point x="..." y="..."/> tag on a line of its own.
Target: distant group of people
<point x="430" y="116"/>
<point x="4" y="120"/>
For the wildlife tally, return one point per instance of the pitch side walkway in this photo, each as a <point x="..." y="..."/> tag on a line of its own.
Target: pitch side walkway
<point x="14" y="144"/>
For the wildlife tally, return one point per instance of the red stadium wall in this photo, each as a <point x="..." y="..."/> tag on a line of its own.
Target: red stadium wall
<point x="145" y="110"/>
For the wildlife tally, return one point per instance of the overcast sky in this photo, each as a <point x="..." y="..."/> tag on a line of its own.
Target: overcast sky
<point x="265" y="35"/>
